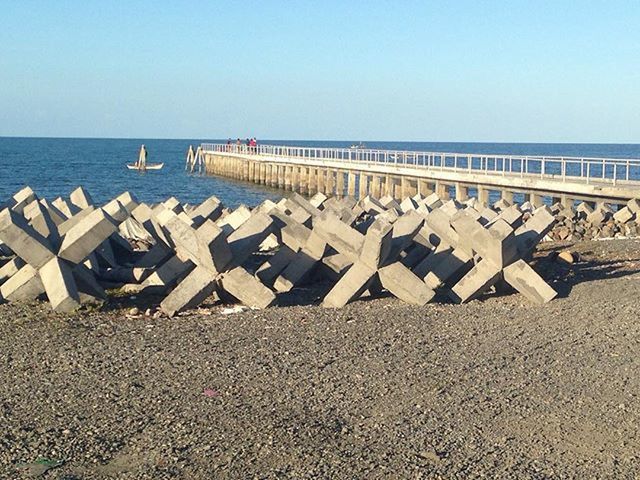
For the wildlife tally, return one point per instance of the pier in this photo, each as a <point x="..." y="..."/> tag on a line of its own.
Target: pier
<point x="362" y="172"/>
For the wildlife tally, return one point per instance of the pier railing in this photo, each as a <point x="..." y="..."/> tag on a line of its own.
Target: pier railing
<point x="573" y="169"/>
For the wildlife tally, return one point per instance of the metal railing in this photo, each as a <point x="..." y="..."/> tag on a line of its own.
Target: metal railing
<point x="582" y="169"/>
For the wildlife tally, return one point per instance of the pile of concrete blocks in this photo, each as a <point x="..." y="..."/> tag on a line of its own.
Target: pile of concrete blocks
<point x="420" y="250"/>
<point x="591" y="222"/>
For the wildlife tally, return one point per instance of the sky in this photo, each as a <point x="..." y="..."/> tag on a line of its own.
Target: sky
<point x="493" y="71"/>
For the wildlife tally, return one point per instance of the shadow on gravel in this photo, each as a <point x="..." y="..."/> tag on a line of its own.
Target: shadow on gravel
<point x="564" y="276"/>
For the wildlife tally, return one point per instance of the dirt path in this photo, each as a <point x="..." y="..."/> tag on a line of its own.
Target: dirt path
<point x="378" y="389"/>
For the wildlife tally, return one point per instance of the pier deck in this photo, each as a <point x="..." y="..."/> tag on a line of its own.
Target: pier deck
<point x="360" y="172"/>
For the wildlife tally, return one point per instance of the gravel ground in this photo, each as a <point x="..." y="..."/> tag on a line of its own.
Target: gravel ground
<point x="497" y="388"/>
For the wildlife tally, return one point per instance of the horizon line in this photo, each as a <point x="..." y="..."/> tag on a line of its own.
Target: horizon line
<point x="45" y="137"/>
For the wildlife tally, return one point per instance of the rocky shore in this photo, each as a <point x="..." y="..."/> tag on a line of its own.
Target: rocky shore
<point x="497" y="387"/>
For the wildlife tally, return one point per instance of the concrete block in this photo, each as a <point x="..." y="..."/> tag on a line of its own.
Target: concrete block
<point x="444" y="267"/>
<point x="234" y="220"/>
<point x="173" y="204"/>
<point x="487" y="215"/>
<point x="389" y="203"/>
<point x="190" y="292"/>
<point x="56" y="215"/>
<point x="372" y="206"/>
<point x="502" y="204"/>
<point x="414" y="255"/>
<point x="81" y="198"/>
<point x="481" y="277"/>
<point x="624" y="215"/>
<point x="142" y="213"/>
<point x="304" y="203"/>
<point x="496" y="243"/>
<point x="512" y="215"/>
<point x="339" y="235"/>
<point x="210" y="209"/>
<point x="71" y="222"/>
<point x="67" y="208"/>
<point x="351" y="286"/>
<point x="405" y="228"/>
<point x="295" y="236"/>
<point x="246" y="288"/>
<point x="39" y="218"/>
<point x="89" y="289"/>
<point x="433" y="201"/>
<point x="534" y="230"/>
<point x="10" y="268"/>
<point x="84" y="237"/>
<point x="60" y="286"/>
<point x="156" y="255"/>
<point x="23" y="239"/>
<point x="23" y="285"/>
<point x="377" y="243"/>
<point x="404" y="284"/>
<point x="302" y="265"/>
<point x="116" y="211"/>
<point x="428" y="263"/>
<point x="270" y="269"/>
<point x="524" y="279"/>
<point x="634" y="205"/>
<point x="439" y="223"/>
<point x="128" y="201"/>
<point x="335" y="265"/>
<point x="169" y="272"/>
<point x="21" y="199"/>
<point x="318" y="199"/>
<point x="450" y="208"/>
<point x="247" y="238"/>
<point x="408" y="204"/>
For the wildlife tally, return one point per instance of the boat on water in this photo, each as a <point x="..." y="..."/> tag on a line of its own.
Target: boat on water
<point x="358" y="146"/>
<point x="141" y="164"/>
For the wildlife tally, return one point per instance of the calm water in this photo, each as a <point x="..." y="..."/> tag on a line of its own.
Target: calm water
<point x="55" y="166"/>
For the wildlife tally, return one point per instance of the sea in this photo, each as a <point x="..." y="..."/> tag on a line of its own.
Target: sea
<point x="54" y="167"/>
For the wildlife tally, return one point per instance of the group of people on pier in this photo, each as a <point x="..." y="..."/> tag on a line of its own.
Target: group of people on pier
<point x="249" y="146"/>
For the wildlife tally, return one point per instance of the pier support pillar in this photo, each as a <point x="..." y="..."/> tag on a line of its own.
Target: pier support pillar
<point x="462" y="192"/>
<point x="536" y="200"/>
<point x="330" y="183"/>
<point x="263" y="173"/>
<point x="374" y="188"/>
<point x="351" y="184"/>
<point x="281" y="176"/>
<point x="405" y="190"/>
<point x="483" y="195"/>
<point x="567" y="201"/>
<point x="507" y="195"/>
<point x="312" y="183"/>
<point x="252" y="166"/>
<point x="442" y="190"/>
<point x="362" y="184"/>
<point x="295" y="178"/>
<point x="397" y="188"/>
<point x="321" y="179"/>
<point x="424" y="188"/>
<point x="303" y="179"/>
<point x="287" y="177"/>
<point x="340" y="183"/>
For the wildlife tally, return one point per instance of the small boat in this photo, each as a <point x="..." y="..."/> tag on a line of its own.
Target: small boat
<point x="142" y="165"/>
<point x="358" y="146"/>
<point x="149" y="166"/>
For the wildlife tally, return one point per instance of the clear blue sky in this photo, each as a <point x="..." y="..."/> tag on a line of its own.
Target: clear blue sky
<point x="546" y="71"/>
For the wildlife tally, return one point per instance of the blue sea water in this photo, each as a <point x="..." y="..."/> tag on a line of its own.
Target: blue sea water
<point x="55" y="166"/>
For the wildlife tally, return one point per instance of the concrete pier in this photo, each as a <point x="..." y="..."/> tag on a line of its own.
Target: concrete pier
<point x="358" y="173"/>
